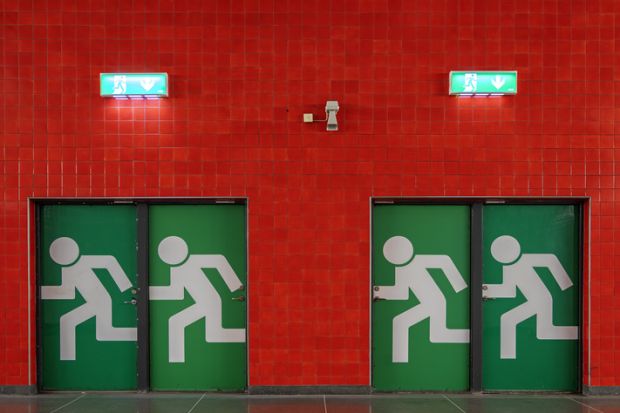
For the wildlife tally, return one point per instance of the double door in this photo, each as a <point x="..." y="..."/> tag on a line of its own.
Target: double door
<point x="142" y="296"/>
<point x="481" y="297"/>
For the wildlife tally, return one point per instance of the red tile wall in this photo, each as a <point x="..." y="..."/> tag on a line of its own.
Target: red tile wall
<point x="242" y="72"/>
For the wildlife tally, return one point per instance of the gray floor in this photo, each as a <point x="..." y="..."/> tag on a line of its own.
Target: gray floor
<point x="214" y="403"/>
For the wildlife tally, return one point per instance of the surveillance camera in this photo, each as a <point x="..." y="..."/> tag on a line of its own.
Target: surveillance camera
<point x="331" y="108"/>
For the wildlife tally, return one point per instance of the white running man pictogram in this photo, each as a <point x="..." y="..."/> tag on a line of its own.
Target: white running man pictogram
<point x="519" y="272"/>
<point x="412" y="275"/>
<point x="186" y="275"/>
<point x="77" y="274"/>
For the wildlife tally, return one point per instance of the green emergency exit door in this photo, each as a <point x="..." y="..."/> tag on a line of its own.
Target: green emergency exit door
<point x="530" y="298"/>
<point x="197" y="291"/>
<point x="87" y="271"/>
<point x="420" y="310"/>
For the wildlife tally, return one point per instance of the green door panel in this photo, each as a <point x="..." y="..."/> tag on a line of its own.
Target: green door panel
<point x="87" y="268"/>
<point x="531" y="285"/>
<point x="420" y="322"/>
<point x="198" y="270"/>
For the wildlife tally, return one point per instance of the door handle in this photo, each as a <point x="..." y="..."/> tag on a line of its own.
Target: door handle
<point x="240" y="298"/>
<point x="133" y="301"/>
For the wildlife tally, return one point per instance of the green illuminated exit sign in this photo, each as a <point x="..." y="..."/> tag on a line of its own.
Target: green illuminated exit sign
<point x="134" y="84"/>
<point x="484" y="83"/>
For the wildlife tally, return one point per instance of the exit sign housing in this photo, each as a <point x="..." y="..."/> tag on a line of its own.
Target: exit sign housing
<point x="483" y="83"/>
<point x="127" y="85"/>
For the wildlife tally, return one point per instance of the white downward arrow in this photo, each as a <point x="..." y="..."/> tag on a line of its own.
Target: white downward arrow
<point x="498" y="82"/>
<point x="147" y="83"/>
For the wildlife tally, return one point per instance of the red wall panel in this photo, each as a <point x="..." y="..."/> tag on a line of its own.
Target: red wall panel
<point x="242" y="73"/>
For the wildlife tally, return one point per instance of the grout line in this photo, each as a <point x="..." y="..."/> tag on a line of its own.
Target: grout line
<point x="454" y="404"/>
<point x="69" y="403"/>
<point x="196" y="404"/>
<point x="324" y="403"/>
<point x="583" y="404"/>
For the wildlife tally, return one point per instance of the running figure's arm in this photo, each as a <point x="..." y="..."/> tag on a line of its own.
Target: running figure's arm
<point x="398" y="291"/>
<point x="555" y="267"/>
<point x="444" y="263"/>
<point x="109" y="263"/>
<point x="507" y="289"/>
<point x="174" y="291"/>
<point x="64" y="291"/>
<point x="220" y="263"/>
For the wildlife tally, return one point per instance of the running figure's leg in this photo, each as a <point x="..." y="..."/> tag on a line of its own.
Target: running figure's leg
<point x="105" y="331"/>
<point x="176" y="331"/>
<point x="214" y="332"/>
<point x="68" y="324"/>
<point x="545" y="330"/>
<point x="439" y="332"/>
<point x="508" y="329"/>
<point x="400" y="331"/>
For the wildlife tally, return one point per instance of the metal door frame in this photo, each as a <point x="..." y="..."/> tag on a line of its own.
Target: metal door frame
<point x="142" y="267"/>
<point x="476" y="205"/>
